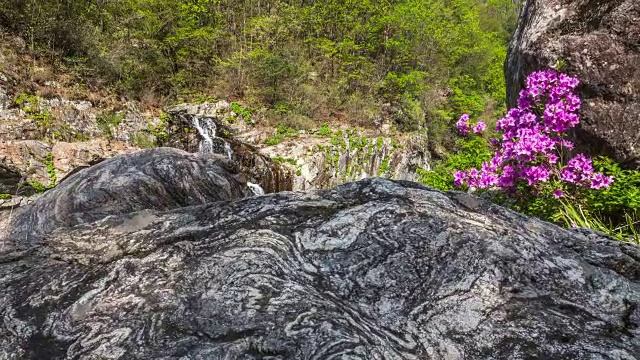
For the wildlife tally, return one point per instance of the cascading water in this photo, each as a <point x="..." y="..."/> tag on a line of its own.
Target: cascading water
<point x="207" y="130"/>
<point x="211" y="144"/>
<point x="227" y="150"/>
<point x="255" y="189"/>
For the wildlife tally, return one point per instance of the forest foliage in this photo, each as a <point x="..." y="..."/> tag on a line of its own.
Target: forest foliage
<point x="426" y="60"/>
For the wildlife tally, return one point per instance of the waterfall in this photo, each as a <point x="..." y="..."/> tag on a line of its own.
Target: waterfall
<point x="207" y="130"/>
<point x="255" y="189"/>
<point x="227" y="150"/>
<point x="212" y="144"/>
<point x="209" y="142"/>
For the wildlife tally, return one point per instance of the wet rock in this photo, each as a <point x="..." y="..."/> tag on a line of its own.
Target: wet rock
<point x="259" y="168"/>
<point x="375" y="269"/>
<point x="323" y="162"/>
<point x="598" y="41"/>
<point x="10" y="178"/>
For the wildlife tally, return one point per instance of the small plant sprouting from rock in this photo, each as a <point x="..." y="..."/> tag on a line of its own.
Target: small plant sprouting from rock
<point x="282" y="159"/>
<point x="290" y="161"/>
<point x="49" y="126"/>
<point x="282" y="132"/>
<point x="107" y="121"/>
<point x="143" y="140"/>
<point x="51" y="171"/>
<point x="239" y="110"/>
<point x="324" y="130"/>
<point x="30" y="104"/>
<point x="159" y="130"/>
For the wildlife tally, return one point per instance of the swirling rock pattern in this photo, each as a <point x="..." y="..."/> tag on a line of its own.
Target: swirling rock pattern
<point x="158" y="179"/>
<point x="374" y="269"/>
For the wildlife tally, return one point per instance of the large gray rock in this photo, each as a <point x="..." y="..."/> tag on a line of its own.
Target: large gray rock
<point x="371" y="270"/>
<point x="599" y="41"/>
<point x="158" y="179"/>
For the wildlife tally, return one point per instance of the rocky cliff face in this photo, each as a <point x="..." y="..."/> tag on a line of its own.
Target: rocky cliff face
<point x="308" y="160"/>
<point x="375" y="269"/>
<point x="599" y="41"/>
<point x="44" y="140"/>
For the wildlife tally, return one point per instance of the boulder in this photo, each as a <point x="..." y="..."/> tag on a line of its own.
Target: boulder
<point x="27" y="158"/>
<point x="158" y="179"/>
<point x="598" y="41"/>
<point x="9" y="178"/>
<point x="375" y="269"/>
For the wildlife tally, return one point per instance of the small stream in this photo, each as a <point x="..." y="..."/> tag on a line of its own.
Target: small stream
<point x="212" y="144"/>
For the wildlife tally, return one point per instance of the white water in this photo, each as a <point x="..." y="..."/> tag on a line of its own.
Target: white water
<point x="207" y="129"/>
<point x="227" y="150"/>
<point x="255" y="189"/>
<point x="210" y="144"/>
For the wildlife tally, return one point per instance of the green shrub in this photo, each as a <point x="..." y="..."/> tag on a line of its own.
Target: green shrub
<point x="51" y="169"/>
<point x="159" y="131"/>
<point x="281" y="159"/>
<point x="244" y="112"/>
<point x="143" y="140"/>
<point x="324" y="130"/>
<point x="38" y="186"/>
<point x="471" y="152"/>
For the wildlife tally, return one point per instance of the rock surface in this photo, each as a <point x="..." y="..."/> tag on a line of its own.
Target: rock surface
<point x="269" y="174"/>
<point x="9" y="178"/>
<point x="599" y="41"/>
<point x="374" y="269"/>
<point x="307" y="160"/>
<point x="47" y="164"/>
<point x="158" y="179"/>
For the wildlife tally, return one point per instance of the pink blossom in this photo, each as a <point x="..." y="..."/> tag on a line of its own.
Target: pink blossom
<point x="463" y="124"/>
<point x="459" y="177"/>
<point x="533" y="139"/>
<point x="480" y="127"/>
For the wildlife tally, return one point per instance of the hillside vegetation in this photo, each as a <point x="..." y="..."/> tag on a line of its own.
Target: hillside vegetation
<point x="302" y="62"/>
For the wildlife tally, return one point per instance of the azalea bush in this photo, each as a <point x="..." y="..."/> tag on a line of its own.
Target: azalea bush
<point x="530" y="154"/>
<point x="534" y="165"/>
